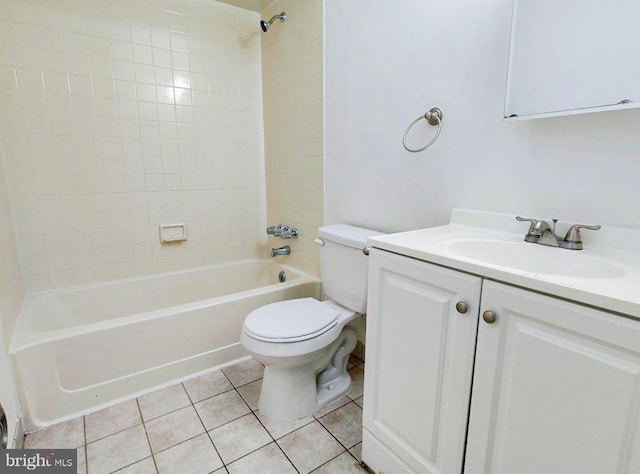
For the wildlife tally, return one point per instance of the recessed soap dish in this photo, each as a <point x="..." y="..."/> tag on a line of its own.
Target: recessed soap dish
<point x="170" y="233"/>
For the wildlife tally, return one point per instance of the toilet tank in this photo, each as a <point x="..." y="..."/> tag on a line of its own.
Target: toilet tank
<point x="343" y="264"/>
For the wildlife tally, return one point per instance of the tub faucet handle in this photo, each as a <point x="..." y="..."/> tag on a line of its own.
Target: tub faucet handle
<point x="275" y="229"/>
<point x="289" y="233"/>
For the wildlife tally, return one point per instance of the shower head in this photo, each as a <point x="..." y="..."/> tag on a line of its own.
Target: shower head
<point x="266" y="24"/>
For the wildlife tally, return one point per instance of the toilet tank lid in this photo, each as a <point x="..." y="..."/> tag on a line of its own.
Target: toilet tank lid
<point x="348" y="235"/>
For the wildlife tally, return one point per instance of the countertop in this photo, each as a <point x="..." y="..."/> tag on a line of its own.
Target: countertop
<point x="619" y="293"/>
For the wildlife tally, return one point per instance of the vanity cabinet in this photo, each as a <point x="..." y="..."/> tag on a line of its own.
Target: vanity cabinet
<point x="419" y="365"/>
<point x="553" y="386"/>
<point x="556" y="388"/>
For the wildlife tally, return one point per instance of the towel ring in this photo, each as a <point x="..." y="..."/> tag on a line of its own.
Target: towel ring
<point x="434" y="117"/>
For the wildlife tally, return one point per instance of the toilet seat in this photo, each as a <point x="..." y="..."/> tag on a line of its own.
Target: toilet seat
<point x="291" y="320"/>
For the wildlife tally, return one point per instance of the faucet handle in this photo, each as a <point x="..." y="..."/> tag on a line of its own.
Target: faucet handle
<point x="289" y="233"/>
<point x="573" y="234"/>
<point x="274" y="229"/>
<point x="532" y="233"/>
<point x="528" y="219"/>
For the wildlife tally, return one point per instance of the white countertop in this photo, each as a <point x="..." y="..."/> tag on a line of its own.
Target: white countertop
<point x="614" y="247"/>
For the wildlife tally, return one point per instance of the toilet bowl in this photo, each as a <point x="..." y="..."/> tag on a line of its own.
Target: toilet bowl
<point x="304" y="343"/>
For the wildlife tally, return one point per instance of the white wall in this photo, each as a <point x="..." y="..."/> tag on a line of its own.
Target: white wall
<point x="389" y="61"/>
<point x="120" y="115"/>
<point x="292" y="83"/>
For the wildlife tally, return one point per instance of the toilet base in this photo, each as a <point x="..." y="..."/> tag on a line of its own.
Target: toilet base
<point x="330" y="391"/>
<point x="289" y="393"/>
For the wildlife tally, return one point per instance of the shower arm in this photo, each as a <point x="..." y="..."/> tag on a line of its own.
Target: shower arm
<point x="265" y="25"/>
<point x="281" y="16"/>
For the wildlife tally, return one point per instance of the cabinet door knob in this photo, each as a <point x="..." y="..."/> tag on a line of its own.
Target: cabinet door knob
<point x="461" y="307"/>
<point x="489" y="317"/>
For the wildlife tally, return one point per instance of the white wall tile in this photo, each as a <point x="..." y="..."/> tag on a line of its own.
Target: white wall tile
<point x="292" y="73"/>
<point x="103" y="142"/>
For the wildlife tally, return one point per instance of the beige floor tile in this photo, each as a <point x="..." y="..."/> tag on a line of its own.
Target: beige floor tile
<point x="279" y="428"/>
<point x="194" y="456"/>
<point x="207" y="386"/>
<point x="67" y="435"/>
<point x="244" y="372"/>
<point x="357" y="383"/>
<point x="343" y="464"/>
<point x="251" y="393"/>
<point x="117" y="451"/>
<point x="267" y="460"/>
<point x="345" y="424"/>
<point x="82" y="461"/>
<point x="111" y="420"/>
<point x="239" y="438"/>
<point x="173" y="428"/>
<point x="146" y="466"/>
<point x="334" y="405"/>
<point x="356" y="451"/>
<point x="310" y="447"/>
<point x="161" y="402"/>
<point x="221" y="409"/>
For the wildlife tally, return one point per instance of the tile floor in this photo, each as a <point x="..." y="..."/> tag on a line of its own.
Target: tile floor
<point x="211" y="424"/>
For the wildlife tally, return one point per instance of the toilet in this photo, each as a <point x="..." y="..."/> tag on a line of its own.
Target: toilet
<point x="304" y="343"/>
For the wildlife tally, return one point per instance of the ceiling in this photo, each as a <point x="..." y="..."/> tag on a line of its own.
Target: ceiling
<point x="254" y="5"/>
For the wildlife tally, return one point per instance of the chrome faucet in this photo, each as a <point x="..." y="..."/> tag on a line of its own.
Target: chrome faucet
<point x="283" y="231"/>
<point x="286" y="250"/>
<point x="540" y="232"/>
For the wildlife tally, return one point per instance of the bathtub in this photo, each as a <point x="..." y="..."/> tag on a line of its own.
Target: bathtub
<point x="78" y="349"/>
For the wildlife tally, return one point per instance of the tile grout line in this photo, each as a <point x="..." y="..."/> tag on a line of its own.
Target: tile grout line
<point x="334" y="458"/>
<point x="334" y="437"/>
<point x="224" y="466"/>
<point x="133" y="464"/>
<point x="338" y="408"/>
<point x="116" y="432"/>
<point x="263" y="426"/>
<point x="144" y="427"/>
<point x="343" y="406"/>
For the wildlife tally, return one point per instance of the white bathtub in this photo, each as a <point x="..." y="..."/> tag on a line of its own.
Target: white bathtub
<point x="78" y="349"/>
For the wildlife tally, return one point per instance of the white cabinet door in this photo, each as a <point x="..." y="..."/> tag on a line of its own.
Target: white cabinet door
<point x="556" y="388"/>
<point x="419" y="365"/>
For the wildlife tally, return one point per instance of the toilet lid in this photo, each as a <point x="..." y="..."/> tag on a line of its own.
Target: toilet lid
<point x="290" y="320"/>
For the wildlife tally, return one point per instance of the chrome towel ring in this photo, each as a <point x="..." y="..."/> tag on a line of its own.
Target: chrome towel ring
<point x="434" y="117"/>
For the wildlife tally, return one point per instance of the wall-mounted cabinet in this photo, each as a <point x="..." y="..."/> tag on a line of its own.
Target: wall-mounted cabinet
<point x="572" y="57"/>
<point x="554" y="389"/>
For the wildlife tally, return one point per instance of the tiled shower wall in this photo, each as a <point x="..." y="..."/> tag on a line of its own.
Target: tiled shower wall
<point x="292" y="68"/>
<point x="117" y="116"/>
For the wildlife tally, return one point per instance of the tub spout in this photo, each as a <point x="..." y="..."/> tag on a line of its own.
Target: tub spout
<point x="286" y="250"/>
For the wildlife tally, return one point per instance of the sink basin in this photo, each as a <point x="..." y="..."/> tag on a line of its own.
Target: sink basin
<point x="536" y="259"/>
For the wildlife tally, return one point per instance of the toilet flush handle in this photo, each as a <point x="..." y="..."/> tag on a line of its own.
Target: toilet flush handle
<point x="320" y="242"/>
